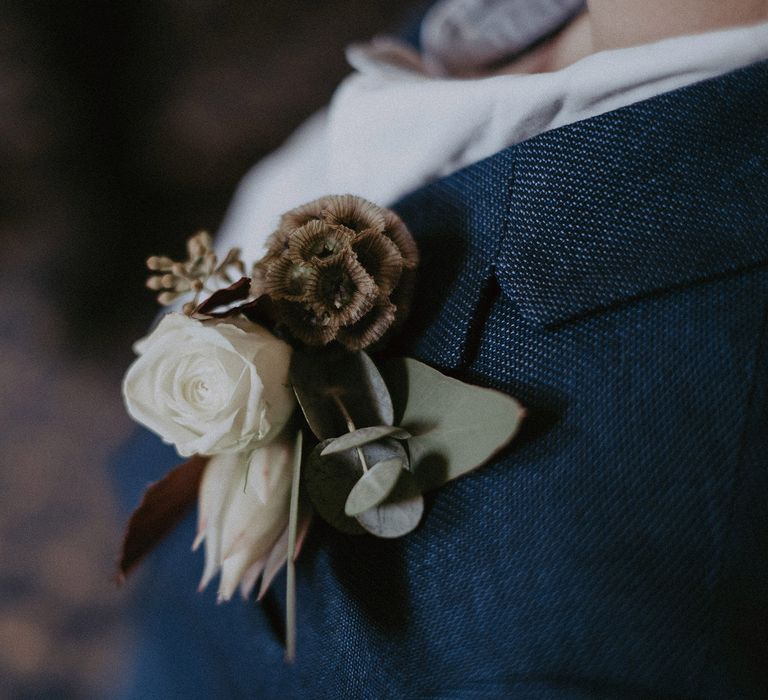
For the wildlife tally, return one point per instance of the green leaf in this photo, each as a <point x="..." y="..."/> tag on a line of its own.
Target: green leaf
<point x="374" y="486"/>
<point x="399" y="514"/>
<point x="337" y="389"/>
<point x="363" y="436"/>
<point x="329" y="480"/>
<point x="293" y="518"/>
<point x="456" y="427"/>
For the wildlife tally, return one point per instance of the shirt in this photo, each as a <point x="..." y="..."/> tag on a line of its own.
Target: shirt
<point x="392" y="127"/>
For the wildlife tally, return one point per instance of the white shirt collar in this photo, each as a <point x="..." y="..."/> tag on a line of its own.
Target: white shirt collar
<point x="392" y="127"/>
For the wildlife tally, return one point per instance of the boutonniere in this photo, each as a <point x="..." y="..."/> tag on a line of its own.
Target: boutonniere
<point x="269" y="381"/>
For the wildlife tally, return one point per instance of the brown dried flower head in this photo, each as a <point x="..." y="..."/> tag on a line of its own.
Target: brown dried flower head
<point x="339" y="268"/>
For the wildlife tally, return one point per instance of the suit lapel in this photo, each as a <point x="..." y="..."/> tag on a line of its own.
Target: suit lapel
<point x="658" y="195"/>
<point x="458" y="223"/>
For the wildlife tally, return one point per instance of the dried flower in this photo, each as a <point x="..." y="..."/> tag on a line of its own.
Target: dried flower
<point x="370" y="327"/>
<point x="316" y="240"/>
<point x="201" y="272"/>
<point x="311" y="211"/>
<point x="354" y="213"/>
<point x="381" y="258"/>
<point x="338" y="268"/>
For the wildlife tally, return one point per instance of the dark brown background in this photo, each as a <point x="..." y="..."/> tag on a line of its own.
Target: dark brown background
<point x="124" y="127"/>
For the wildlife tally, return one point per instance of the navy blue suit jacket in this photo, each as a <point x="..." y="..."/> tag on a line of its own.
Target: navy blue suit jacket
<point x="612" y="275"/>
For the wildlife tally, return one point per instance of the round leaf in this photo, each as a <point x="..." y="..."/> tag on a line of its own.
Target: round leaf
<point x="456" y="427"/>
<point x="329" y="480"/>
<point x="325" y="380"/>
<point x="374" y="486"/>
<point x="399" y="514"/>
<point x="363" y="436"/>
<point x="382" y="450"/>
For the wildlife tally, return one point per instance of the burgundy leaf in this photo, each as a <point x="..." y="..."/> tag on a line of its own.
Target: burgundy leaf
<point x="238" y="291"/>
<point x="261" y="310"/>
<point x="163" y="505"/>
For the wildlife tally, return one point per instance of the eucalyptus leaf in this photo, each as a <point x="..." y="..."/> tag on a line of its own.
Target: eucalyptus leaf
<point x="331" y="383"/>
<point x="384" y="449"/>
<point x="456" y="427"/>
<point x="374" y="486"/>
<point x="363" y="436"/>
<point x="293" y="518"/>
<point x="330" y="479"/>
<point x="399" y="514"/>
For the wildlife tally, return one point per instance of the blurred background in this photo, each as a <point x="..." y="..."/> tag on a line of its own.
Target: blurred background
<point x="124" y="128"/>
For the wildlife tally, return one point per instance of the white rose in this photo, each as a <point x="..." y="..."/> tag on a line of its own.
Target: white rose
<point x="210" y="387"/>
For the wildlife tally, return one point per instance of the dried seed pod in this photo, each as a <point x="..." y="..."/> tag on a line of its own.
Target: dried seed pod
<point x="201" y="272"/>
<point x="370" y="328"/>
<point x="159" y="263"/>
<point x="338" y="269"/>
<point x="278" y="241"/>
<point x="317" y="240"/>
<point x="353" y="213"/>
<point x="286" y="279"/>
<point x="295" y="218"/>
<point x="277" y="244"/>
<point x="380" y="258"/>
<point x="342" y="290"/>
<point x="399" y="234"/>
<point x="199" y="244"/>
<point x="305" y="324"/>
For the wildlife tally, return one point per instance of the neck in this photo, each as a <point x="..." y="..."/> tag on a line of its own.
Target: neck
<point x="620" y="23"/>
<point x="614" y="24"/>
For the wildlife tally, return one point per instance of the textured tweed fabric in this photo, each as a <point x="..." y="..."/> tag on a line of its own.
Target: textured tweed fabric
<point x="613" y="275"/>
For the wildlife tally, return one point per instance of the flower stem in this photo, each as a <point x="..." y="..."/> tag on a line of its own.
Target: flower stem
<point x="293" y="517"/>
<point x="350" y="426"/>
<point x="362" y="459"/>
